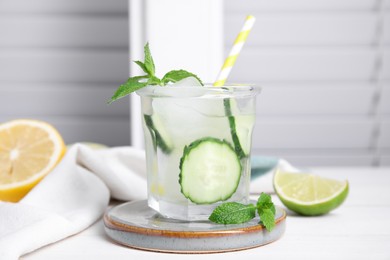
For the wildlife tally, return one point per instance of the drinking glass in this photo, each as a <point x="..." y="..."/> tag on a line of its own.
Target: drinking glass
<point x="198" y="146"/>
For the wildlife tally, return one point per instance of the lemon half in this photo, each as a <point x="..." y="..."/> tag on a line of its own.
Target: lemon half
<point x="29" y="150"/>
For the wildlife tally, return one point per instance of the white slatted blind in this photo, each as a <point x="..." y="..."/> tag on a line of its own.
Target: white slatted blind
<point x="324" y="66"/>
<point x="60" y="61"/>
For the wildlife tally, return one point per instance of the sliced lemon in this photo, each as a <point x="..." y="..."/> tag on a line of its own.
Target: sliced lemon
<point x="29" y="150"/>
<point x="308" y="194"/>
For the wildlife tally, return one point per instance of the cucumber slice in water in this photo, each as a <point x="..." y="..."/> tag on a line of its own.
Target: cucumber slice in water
<point x="236" y="137"/>
<point x="159" y="134"/>
<point x="244" y="125"/>
<point x="210" y="171"/>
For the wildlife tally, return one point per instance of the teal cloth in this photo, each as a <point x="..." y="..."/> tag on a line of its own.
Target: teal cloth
<point x="260" y="165"/>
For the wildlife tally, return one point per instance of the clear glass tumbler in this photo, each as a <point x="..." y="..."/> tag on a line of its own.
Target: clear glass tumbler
<point x="198" y="145"/>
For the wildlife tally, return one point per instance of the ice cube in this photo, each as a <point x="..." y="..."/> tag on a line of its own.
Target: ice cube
<point x="188" y="87"/>
<point x="189" y="82"/>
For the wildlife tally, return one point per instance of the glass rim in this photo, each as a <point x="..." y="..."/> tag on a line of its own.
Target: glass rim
<point x="206" y="91"/>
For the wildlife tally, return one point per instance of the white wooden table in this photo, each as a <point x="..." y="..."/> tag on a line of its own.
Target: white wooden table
<point x="359" y="229"/>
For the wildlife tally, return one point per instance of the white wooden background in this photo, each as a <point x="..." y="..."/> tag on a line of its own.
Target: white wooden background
<point x="60" y="61"/>
<point x="324" y="66"/>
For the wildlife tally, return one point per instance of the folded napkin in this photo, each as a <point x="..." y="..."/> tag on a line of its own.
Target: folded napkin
<point x="71" y="198"/>
<point x="77" y="192"/>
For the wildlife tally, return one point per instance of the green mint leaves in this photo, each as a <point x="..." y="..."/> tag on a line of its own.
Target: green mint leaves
<point x="131" y="85"/>
<point x="149" y="63"/>
<point x="137" y="82"/>
<point x="177" y="75"/>
<point x="237" y="213"/>
<point x="266" y="210"/>
<point x="233" y="213"/>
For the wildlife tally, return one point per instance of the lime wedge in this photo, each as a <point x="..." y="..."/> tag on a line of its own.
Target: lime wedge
<point x="308" y="194"/>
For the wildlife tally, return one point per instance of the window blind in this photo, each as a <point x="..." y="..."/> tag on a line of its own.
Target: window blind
<point x="60" y="61"/>
<point x="324" y="70"/>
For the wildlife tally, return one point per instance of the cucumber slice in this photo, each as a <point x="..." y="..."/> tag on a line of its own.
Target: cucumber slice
<point x="244" y="125"/>
<point x="233" y="129"/>
<point x="240" y="128"/>
<point x="159" y="134"/>
<point x="210" y="171"/>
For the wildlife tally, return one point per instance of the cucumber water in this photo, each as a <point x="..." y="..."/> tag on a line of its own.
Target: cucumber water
<point x="193" y="163"/>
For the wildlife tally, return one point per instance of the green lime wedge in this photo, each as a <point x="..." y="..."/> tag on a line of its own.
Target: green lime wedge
<point x="308" y="194"/>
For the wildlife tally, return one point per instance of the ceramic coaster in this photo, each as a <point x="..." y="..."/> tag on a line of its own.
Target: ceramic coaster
<point x="135" y="225"/>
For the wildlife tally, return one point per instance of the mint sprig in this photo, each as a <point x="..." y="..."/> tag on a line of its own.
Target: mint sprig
<point x="237" y="213"/>
<point x="266" y="210"/>
<point x="138" y="82"/>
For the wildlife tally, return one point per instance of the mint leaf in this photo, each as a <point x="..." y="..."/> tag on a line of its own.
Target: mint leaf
<point x="149" y="63"/>
<point x="131" y="85"/>
<point x="267" y="217"/>
<point x="142" y="65"/>
<point x="177" y="75"/>
<point x="233" y="213"/>
<point x="265" y="202"/>
<point x="153" y="80"/>
<point x="236" y="213"/>
<point x="266" y="211"/>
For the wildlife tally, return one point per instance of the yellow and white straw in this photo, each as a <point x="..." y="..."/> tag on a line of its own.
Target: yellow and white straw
<point x="235" y="51"/>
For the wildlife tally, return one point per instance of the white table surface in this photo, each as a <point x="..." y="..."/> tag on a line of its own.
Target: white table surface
<point x="359" y="229"/>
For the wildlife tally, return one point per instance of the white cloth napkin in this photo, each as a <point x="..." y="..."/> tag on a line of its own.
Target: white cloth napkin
<point x="71" y="198"/>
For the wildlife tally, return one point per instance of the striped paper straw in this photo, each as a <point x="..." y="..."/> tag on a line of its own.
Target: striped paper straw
<point x="235" y="51"/>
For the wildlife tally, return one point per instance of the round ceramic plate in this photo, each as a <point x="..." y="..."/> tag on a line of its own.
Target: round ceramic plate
<point x="135" y="225"/>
